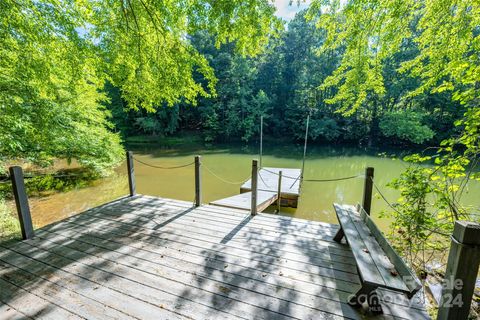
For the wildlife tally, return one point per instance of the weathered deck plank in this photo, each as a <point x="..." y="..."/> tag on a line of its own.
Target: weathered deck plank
<point x="176" y="258"/>
<point x="200" y="289"/>
<point x="199" y="224"/>
<point x="10" y="313"/>
<point x="262" y="263"/>
<point x="30" y="304"/>
<point x="244" y="201"/>
<point x="145" y="257"/>
<point x="16" y="272"/>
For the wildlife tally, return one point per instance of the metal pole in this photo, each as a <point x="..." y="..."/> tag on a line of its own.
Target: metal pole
<point x="21" y="201"/>
<point x="305" y="145"/>
<point x="254" y="187"/>
<point x="279" y="192"/>
<point x="261" y="140"/>
<point x="198" y="181"/>
<point x="304" y="153"/>
<point x="131" y="174"/>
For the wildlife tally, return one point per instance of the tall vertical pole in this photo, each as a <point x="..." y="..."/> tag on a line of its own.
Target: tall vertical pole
<point x="461" y="273"/>
<point x="198" y="182"/>
<point x="367" y="190"/>
<point x="261" y="140"/>
<point x="21" y="201"/>
<point x="254" y="187"/>
<point x="279" y="191"/>
<point x="305" y="147"/>
<point x="131" y="174"/>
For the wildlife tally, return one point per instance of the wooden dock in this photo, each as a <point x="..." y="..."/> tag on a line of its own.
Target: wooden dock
<point x="151" y="258"/>
<point x="268" y="192"/>
<point x="244" y="200"/>
<point x="268" y="181"/>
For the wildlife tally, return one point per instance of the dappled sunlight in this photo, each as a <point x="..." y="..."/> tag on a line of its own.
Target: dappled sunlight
<point x="169" y="258"/>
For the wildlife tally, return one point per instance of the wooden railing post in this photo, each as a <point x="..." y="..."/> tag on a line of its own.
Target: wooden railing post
<point x="367" y="190"/>
<point x="131" y="174"/>
<point x="198" y="182"/>
<point x="461" y="273"/>
<point x="21" y="201"/>
<point x="279" y="192"/>
<point x="254" y="187"/>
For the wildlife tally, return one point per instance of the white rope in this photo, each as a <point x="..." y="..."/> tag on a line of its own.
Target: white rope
<point x="221" y="179"/>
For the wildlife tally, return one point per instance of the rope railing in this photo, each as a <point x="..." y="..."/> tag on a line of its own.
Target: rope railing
<point x="162" y="167"/>
<point x="283" y="175"/>
<point x="222" y="179"/>
<point x="261" y="178"/>
<point x="335" y="179"/>
<point x="318" y="180"/>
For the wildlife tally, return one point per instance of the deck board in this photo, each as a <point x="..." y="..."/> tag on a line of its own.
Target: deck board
<point x="244" y="201"/>
<point x="200" y="224"/>
<point x="146" y="257"/>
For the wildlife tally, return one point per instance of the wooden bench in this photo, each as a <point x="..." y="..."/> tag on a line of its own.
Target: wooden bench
<point x="379" y="266"/>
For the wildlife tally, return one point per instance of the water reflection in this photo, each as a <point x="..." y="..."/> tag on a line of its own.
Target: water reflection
<point x="234" y="164"/>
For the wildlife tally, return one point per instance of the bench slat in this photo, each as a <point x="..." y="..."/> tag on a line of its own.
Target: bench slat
<point x="366" y="265"/>
<point x="382" y="262"/>
<point x="412" y="282"/>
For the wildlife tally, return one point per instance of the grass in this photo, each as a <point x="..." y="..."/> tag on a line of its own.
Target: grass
<point x="9" y="225"/>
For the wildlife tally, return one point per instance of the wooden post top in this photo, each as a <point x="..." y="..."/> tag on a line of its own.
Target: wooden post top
<point x="467" y="232"/>
<point x="369" y="171"/>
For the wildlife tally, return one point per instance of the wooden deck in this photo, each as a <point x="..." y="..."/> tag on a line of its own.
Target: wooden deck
<point x="243" y="201"/>
<point x="268" y="181"/>
<point x="152" y="258"/>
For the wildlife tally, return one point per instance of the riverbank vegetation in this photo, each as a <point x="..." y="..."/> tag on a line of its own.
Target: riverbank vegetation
<point x="284" y="84"/>
<point x="434" y="48"/>
<point x="9" y="226"/>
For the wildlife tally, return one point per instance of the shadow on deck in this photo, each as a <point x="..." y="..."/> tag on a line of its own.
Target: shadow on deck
<point x="145" y="257"/>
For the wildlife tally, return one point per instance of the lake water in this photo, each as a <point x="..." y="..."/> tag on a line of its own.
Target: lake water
<point x="233" y="164"/>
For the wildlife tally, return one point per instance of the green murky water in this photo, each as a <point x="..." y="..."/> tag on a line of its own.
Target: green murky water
<point x="233" y="164"/>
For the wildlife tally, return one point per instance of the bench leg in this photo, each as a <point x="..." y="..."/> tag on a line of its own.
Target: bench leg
<point x="339" y="235"/>
<point x="366" y="293"/>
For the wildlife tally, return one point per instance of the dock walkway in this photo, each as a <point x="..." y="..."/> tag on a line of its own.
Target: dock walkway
<point x="145" y="257"/>
<point x="267" y="185"/>
<point x="243" y="201"/>
<point x="268" y="181"/>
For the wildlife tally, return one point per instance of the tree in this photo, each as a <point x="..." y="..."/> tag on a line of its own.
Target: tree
<point x="56" y="57"/>
<point x="234" y="113"/>
<point x="447" y="41"/>
<point x="405" y="125"/>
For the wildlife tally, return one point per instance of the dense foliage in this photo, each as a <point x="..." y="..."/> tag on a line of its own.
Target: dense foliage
<point x="435" y="45"/>
<point x="9" y="226"/>
<point x="56" y="56"/>
<point x="287" y="82"/>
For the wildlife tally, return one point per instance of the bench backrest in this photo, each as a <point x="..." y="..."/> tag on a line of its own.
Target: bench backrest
<point x="402" y="268"/>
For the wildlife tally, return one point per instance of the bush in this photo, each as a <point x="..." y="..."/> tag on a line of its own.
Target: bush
<point x="9" y="225"/>
<point x="405" y="125"/>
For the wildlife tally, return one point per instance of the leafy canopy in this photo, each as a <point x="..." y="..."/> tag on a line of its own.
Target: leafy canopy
<point x="142" y="46"/>
<point x="371" y="31"/>
<point x="447" y="36"/>
<point x="56" y="57"/>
